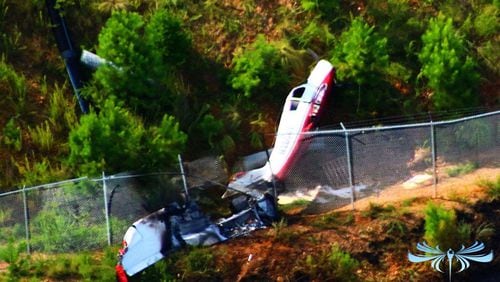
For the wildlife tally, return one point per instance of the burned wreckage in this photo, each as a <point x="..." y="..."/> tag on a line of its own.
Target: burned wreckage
<point x="253" y="199"/>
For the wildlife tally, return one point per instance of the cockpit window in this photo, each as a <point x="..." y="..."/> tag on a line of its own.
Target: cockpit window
<point x="293" y="105"/>
<point x="298" y="92"/>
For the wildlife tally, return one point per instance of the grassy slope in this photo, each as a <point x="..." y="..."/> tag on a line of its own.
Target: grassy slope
<point x="219" y="29"/>
<point x="378" y="235"/>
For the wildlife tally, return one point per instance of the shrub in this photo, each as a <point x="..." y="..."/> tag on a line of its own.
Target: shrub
<point x="61" y="110"/>
<point x="133" y="60"/>
<point x="12" y="136"/>
<point x="335" y="265"/>
<point x="375" y="210"/>
<point x="449" y="70"/>
<point x="12" y="254"/>
<point x="37" y="172"/>
<point x="492" y="187"/>
<point x="15" y="86"/>
<point x="164" y="32"/>
<point x="115" y="140"/>
<point x="145" y="57"/>
<point x="395" y="228"/>
<point x="461" y="169"/>
<point x="197" y="265"/>
<point x="360" y="53"/>
<point x="280" y="232"/>
<point x="360" y="56"/>
<point x="56" y="230"/>
<point x="441" y="228"/>
<point x="42" y="136"/>
<point x="486" y="23"/>
<point x="258" y="71"/>
<point x="164" y="143"/>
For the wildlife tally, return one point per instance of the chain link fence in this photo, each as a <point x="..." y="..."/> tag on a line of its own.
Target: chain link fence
<point x="82" y="214"/>
<point x="336" y="167"/>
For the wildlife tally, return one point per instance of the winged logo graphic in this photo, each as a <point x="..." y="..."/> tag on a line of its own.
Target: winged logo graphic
<point x="437" y="256"/>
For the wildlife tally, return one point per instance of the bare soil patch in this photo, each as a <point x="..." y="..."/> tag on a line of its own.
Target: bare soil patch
<point x="380" y="242"/>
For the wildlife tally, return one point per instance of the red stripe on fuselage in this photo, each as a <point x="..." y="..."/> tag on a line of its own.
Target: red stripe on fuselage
<point x="307" y="125"/>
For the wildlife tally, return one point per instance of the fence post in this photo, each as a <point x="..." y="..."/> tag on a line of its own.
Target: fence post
<point x="349" y="164"/>
<point x="26" y="221"/>
<point x="106" y="211"/>
<point x="184" y="181"/>
<point x="433" y="150"/>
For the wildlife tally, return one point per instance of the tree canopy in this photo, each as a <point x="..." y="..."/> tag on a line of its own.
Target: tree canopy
<point x="210" y="78"/>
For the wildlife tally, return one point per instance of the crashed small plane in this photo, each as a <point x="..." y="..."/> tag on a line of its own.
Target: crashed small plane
<point x="153" y="237"/>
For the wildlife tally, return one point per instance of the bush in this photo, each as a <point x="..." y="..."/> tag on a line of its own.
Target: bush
<point x="42" y="136"/>
<point x="61" y="110"/>
<point x="115" y="141"/>
<point x="14" y="87"/>
<point x="486" y="23"/>
<point x="258" y="71"/>
<point x="165" y="33"/>
<point x="144" y="56"/>
<point x="362" y="61"/>
<point x="37" y="172"/>
<point x="334" y="265"/>
<point x="375" y="210"/>
<point x="280" y="233"/>
<point x="461" y="169"/>
<point x="360" y="53"/>
<point x="441" y="228"/>
<point x="12" y="136"/>
<point x="57" y="230"/>
<point x="449" y="70"/>
<point x="492" y="187"/>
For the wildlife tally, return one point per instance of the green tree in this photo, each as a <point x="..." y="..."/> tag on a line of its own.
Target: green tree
<point x="361" y="54"/>
<point x="110" y="140"/>
<point x="441" y="228"/>
<point x="164" y="142"/>
<point x="361" y="57"/>
<point x="144" y="58"/>
<point x="115" y="140"/>
<point x="120" y="42"/>
<point x="447" y="67"/>
<point x="165" y="33"/>
<point x="258" y="70"/>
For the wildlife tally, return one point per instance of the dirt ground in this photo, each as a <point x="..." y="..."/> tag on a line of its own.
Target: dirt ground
<point x="280" y="253"/>
<point x="447" y="188"/>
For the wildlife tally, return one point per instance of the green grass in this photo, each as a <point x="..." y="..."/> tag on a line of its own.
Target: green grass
<point x="492" y="187"/>
<point x="333" y="220"/>
<point x="454" y="196"/>
<point x="333" y="264"/>
<point x="297" y="204"/>
<point x="461" y="169"/>
<point x="408" y="202"/>
<point x="280" y="232"/>
<point x="42" y="136"/>
<point x="377" y="210"/>
<point x="74" y="267"/>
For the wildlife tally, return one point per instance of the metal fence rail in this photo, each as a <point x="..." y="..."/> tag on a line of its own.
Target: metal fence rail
<point x="337" y="166"/>
<point x="82" y="213"/>
<point x="347" y="164"/>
